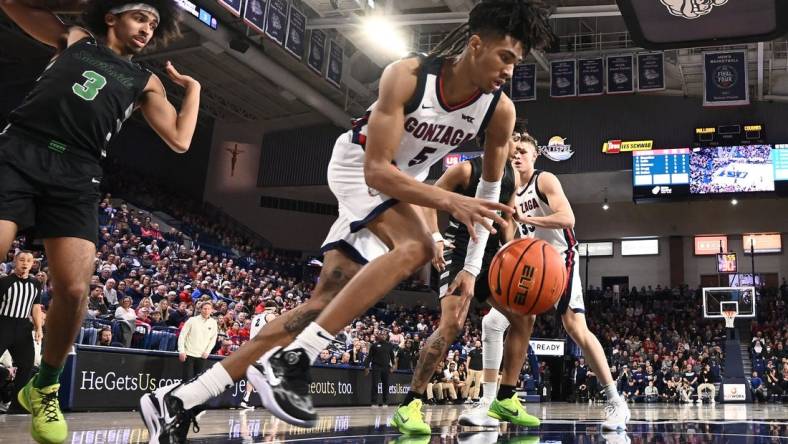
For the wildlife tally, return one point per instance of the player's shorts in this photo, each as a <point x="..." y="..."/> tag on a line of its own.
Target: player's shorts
<point x="573" y="294"/>
<point x="454" y="264"/>
<point x="56" y="193"/>
<point x="358" y="205"/>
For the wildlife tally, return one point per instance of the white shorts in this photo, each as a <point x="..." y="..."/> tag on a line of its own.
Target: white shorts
<point x="573" y="294"/>
<point x="358" y="205"/>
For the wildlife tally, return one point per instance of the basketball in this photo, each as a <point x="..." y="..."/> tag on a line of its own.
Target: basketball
<point x="527" y="276"/>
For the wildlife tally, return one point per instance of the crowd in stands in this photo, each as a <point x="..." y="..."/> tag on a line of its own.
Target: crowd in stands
<point x="149" y="279"/>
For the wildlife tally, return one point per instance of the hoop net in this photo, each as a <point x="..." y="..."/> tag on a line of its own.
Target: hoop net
<point x="730" y="316"/>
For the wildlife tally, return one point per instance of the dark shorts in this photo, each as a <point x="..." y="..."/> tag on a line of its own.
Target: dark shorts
<point x="56" y="193"/>
<point x="456" y="262"/>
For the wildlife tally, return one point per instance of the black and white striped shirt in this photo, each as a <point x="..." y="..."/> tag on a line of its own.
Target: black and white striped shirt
<point x="18" y="295"/>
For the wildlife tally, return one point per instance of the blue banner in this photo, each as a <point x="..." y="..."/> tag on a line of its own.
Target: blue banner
<point x="620" y="74"/>
<point x="523" y="83"/>
<point x="725" y="79"/>
<point x="334" y="71"/>
<point x="590" y="77"/>
<point x="254" y="14"/>
<point x="234" y="6"/>
<point x="562" y="78"/>
<point x="651" y="71"/>
<point x="317" y="51"/>
<point x="296" y="33"/>
<point x="276" y="20"/>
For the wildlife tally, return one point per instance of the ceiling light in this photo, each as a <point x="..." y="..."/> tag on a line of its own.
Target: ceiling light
<point x="385" y="36"/>
<point x="605" y="206"/>
<point x="734" y="202"/>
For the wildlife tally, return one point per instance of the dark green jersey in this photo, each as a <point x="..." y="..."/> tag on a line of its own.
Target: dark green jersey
<point x="457" y="233"/>
<point x="81" y="100"/>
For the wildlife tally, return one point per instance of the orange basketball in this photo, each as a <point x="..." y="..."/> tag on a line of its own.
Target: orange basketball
<point x="528" y="276"/>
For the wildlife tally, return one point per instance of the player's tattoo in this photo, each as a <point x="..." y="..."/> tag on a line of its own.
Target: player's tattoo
<point x="300" y="319"/>
<point x="429" y="357"/>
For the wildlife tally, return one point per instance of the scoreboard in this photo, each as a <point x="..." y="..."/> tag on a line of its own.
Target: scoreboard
<point x="660" y="173"/>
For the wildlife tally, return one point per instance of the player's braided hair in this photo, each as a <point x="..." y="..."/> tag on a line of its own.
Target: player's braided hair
<point x="523" y="20"/>
<point x="169" y="16"/>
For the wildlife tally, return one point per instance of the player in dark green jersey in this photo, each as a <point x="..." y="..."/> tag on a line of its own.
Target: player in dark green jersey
<point x="51" y="150"/>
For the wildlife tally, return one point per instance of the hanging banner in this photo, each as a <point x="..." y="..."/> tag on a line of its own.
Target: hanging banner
<point x="276" y="20"/>
<point x="562" y="78"/>
<point x="620" y="74"/>
<point x="725" y="78"/>
<point x="254" y="14"/>
<point x="651" y="71"/>
<point x="590" y="76"/>
<point x="234" y="6"/>
<point x="296" y="33"/>
<point x="523" y="83"/>
<point x="334" y="71"/>
<point x="317" y="51"/>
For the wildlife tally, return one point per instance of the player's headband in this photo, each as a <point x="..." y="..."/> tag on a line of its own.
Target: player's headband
<point x="135" y="7"/>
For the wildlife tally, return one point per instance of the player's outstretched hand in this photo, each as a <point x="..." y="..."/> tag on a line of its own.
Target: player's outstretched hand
<point x="462" y="285"/>
<point x="178" y="78"/>
<point x="469" y="211"/>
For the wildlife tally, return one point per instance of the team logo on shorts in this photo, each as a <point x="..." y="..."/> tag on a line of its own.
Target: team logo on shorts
<point x="691" y="9"/>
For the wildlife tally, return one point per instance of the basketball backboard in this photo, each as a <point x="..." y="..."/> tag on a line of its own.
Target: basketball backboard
<point x="718" y="299"/>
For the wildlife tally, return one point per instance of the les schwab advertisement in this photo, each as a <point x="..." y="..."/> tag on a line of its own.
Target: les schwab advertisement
<point x="115" y="381"/>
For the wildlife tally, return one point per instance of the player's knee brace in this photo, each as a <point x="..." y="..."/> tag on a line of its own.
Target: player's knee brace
<point x="494" y="324"/>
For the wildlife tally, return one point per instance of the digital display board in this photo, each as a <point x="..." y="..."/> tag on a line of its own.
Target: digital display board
<point x="660" y="173"/>
<point x="639" y="247"/>
<point x="710" y="245"/>
<point x="595" y="249"/>
<point x="726" y="263"/>
<point x="200" y="13"/>
<point x="731" y="169"/>
<point x="762" y="243"/>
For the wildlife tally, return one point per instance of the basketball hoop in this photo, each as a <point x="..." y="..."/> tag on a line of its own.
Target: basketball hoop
<point x="730" y="316"/>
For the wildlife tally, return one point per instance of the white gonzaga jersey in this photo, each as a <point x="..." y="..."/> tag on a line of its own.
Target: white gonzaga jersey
<point x="433" y="128"/>
<point x="258" y="322"/>
<point x="531" y="202"/>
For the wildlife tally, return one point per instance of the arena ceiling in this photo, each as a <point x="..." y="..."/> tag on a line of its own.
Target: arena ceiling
<point x="585" y="27"/>
<point x="268" y="86"/>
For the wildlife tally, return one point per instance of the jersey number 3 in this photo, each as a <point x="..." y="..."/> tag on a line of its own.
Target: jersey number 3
<point x="91" y="87"/>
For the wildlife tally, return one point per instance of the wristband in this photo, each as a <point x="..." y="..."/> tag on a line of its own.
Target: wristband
<point x="436" y="236"/>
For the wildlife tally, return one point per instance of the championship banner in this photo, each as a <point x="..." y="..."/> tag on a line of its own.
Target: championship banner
<point x="334" y="71"/>
<point x="296" y="33"/>
<point x="618" y="146"/>
<point x="562" y="78"/>
<point x="725" y="79"/>
<point x="651" y="71"/>
<point x="106" y="378"/>
<point x="276" y="20"/>
<point x="523" y="83"/>
<point x="590" y="76"/>
<point x="317" y="51"/>
<point x="620" y="74"/>
<point x="254" y="14"/>
<point x="234" y="6"/>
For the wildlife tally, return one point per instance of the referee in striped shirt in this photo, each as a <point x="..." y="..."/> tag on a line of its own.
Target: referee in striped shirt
<point x="20" y="301"/>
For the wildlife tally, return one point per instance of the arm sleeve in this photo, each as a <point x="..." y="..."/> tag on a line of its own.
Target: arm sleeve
<point x="473" y="259"/>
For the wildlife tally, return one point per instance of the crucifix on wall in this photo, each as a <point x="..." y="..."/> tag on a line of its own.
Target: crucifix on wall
<point x="235" y="152"/>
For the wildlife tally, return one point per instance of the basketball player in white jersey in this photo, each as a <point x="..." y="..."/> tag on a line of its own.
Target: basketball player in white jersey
<point x="258" y="322"/>
<point x="543" y="212"/>
<point x="427" y="106"/>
